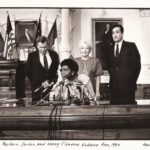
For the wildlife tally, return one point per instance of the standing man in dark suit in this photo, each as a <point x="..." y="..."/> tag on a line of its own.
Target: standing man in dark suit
<point x="42" y="68"/>
<point x="124" y="67"/>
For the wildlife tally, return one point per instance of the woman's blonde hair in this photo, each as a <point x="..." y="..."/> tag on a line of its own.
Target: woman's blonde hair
<point x="87" y="42"/>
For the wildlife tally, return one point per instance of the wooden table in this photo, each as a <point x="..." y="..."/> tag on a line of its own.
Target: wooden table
<point x="76" y="122"/>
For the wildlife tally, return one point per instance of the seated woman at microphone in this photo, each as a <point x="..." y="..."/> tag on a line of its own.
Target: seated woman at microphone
<point x="74" y="88"/>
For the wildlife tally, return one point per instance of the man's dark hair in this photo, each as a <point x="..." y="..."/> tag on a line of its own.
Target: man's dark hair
<point x="120" y="26"/>
<point x="41" y="39"/>
<point x="71" y="64"/>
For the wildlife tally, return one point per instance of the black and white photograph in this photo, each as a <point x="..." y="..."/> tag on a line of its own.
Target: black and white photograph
<point x="73" y="73"/>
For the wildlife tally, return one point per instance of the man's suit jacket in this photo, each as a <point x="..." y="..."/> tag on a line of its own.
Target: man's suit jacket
<point x="37" y="73"/>
<point x="124" y="71"/>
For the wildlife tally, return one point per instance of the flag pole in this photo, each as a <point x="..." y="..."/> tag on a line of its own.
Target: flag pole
<point x="41" y="14"/>
<point x="6" y="39"/>
<point x="11" y="42"/>
<point x="4" y="54"/>
<point x="38" y="31"/>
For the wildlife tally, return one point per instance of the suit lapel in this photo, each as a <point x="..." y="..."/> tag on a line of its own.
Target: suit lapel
<point x="51" y="57"/>
<point x="38" y="60"/>
<point x="112" y="52"/>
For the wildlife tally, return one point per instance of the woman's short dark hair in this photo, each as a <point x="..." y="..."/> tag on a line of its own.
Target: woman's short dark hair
<point x="71" y="64"/>
<point x="41" y="39"/>
<point x="120" y="26"/>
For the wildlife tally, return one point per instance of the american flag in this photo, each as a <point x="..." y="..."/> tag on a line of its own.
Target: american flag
<point x="9" y="41"/>
<point x="1" y="45"/>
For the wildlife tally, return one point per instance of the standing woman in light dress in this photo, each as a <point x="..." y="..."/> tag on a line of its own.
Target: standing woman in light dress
<point x="89" y="65"/>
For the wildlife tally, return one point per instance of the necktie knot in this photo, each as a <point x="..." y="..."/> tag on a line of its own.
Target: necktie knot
<point x="117" y="45"/>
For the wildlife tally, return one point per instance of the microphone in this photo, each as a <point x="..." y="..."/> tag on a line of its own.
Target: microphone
<point x="42" y="86"/>
<point x="50" y="85"/>
<point x="38" y="88"/>
<point x="61" y="83"/>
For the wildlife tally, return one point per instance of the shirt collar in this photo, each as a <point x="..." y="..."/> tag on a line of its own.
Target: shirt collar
<point x="119" y="43"/>
<point x="45" y="53"/>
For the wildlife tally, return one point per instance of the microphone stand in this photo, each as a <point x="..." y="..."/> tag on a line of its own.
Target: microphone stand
<point x="53" y="133"/>
<point x="61" y="93"/>
<point x="39" y="88"/>
<point x="47" y="96"/>
<point x="41" y="99"/>
<point x="61" y="105"/>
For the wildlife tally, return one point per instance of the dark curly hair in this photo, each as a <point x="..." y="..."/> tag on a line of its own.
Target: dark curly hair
<point x="71" y="64"/>
<point x="120" y="26"/>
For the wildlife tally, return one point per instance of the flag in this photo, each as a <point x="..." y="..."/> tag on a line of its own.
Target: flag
<point x="1" y="45"/>
<point x="52" y="37"/>
<point x="10" y="44"/>
<point x="46" y="27"/>
<point x="38" y="31"/>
